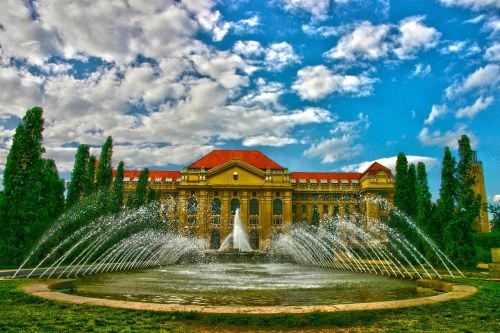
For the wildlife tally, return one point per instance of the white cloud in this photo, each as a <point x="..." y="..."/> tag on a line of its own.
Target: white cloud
<point x="493" y="53"/>
<point x="367" y="41"/>
<point x="471" y="110"/>
<point x="436" y="112"/>
<point x="343" y="145"/>
<point x="248" y="49"/>
<point x="421" y="70"/>
<point x="390" y="162"/>
<point x="414" y="36"/>
<point x="20" y="90"/>
<point x="448" y="138"/>
<point x="453" y="47"/>
<point x="472" y="4"/>
<point x="316" y="82"/>
<point x="482" y="80"/>
<point x="280" y="55"/>
<point x="264" y="140"/>
<point x="317" y="8"/>
<point x="496" y="198"/>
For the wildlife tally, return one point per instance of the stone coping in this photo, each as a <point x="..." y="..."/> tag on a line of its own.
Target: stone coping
<point x="452" y="291"/>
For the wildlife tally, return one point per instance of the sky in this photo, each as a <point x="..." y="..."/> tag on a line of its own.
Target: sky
<point x="317" y="85"/>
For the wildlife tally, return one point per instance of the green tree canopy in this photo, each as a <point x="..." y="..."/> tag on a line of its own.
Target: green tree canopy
<point x="104" y="169"/>
<point x="117" y="194"/>
<point x="79" y="177"/>
<point x="139" y="197"/>
<point x="90" y="176"/>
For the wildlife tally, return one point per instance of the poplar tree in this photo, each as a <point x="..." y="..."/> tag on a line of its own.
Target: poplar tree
<point x="401" y="196"/>
<point x="90" y="176"/>
<point x="459" y="244"/>
<point x="445" y="205"/>
<point x="138" y="198"/>
<point x="117" y="194"/>
<point x="104" y="170"/>
<point x="152" y="195"/>
<point x="32" y="194"/>
<point x="411" y="208"/>
<point x="424" y="208"/>
<point x="79" y="177"/>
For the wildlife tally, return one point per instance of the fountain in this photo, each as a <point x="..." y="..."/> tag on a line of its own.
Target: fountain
<point x="142" y="249"/>
<point x="238" y="238"/>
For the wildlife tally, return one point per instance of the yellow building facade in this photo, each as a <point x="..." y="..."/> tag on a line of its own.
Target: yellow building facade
<point x="202" y="198"/>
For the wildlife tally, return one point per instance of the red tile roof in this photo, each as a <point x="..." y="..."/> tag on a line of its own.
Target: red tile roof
<point x="218" y="157"/>
<point x="376" y="167"/>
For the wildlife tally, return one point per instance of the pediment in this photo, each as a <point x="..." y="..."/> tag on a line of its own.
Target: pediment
<point x="236" y="163"/>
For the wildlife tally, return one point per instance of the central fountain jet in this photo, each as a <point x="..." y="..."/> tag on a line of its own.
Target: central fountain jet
<point x="238" y="238"/>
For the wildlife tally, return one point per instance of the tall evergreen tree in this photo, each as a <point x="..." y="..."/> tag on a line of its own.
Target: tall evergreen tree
<point x="138" y="198"/>
<point x="401" y="185"/>
<point x="445" y="205"/>
<point x="424" y="209"/>
<point x="79" y="177"/>
<point x="459" y="244"/>
<point x="90" y="176"/>
<point x="411" y="208"/>
<point x="27" y="206"/>
<point x="117" y="194"/>
<point x="104" y="170"/>
<point x="152" y="195"/>
<point x="53" y="189"/>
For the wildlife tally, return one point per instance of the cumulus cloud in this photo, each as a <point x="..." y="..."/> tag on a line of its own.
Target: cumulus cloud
<point x="249" y="48"/>
<point x="493" y="53"/>
<point x="280" y="55"/>
<point x="317" y="8"/>
<point x="470" y="111"/>
<point x="371" y="42"/>
<point x="472" y="4"/>
<point x="449" y="138"/>
<point x="390" y="162"/>
<point x="343" y="144"/>
<point x="316" y="82"/>
<point x="264" y="140"/>
<point x="437" y="111"/>
<point x="482" y="80"/>
<point x="496" y="198"/>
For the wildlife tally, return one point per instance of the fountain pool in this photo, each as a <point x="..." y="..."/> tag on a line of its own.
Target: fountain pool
<point x="243" y="284"/>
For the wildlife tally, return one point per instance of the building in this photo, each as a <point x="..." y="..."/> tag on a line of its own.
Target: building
<point x="202" y="198"/>
<point x="481" y="224"/>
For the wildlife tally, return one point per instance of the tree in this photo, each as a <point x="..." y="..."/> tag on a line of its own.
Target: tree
<point x="79" y="177"/>
<point x="104" y="169"/>
<point x="138" y="198"/>
<point x="424" y="209"/>
<point x="90" y="176"/>
<point x="494" y="210"/>
<point x="32" y="193"/>
<point x="459" y="244"/>
<point x="401" y="185"/>
<point x="117" y="194"/>
<point x="411" y="208"/>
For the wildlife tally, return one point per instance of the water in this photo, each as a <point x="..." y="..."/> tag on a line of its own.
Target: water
<point x="238" y="238"/>
<point x="244" y="284"/>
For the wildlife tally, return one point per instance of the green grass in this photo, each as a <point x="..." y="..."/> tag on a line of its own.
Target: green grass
<point x="20" y="312"/>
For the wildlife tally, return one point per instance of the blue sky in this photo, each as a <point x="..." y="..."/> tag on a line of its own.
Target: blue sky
<point x="318" y="85"/>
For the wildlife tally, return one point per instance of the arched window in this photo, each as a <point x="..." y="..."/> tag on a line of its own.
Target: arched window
<point x="192" y="206"/>
<point x="215" y="240"/>
<point x="235" y="204"/>
<point x="277" y="207"/>
<point x="254" y="239"/>
<point x="216" y="205"/>
<point x="254" y="206"/>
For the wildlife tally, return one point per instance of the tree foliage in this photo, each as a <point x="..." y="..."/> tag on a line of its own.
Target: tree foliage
<point x="139" y="197"/>
<point x="117" y="193"/>
<point x="424" y="208"/>
<point x="33" y="192"/>
<point x="104" y="169"/>
<point x="79" y="177"/>
<point x="90" y="176"/>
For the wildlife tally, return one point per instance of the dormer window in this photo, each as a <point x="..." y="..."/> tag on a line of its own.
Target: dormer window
<point x="293" y="181"/>
<point x="126" y="179"/>
<point x="302" y="181"/>
<point x="323" y="181"/>
<point x="345" y="182"/>
<point x="136" y="179"/>
<point x="335" y="182"/>
<point x="158" y="180"/>
<point x="313" y="181"/>
<point x="168" y="180"/>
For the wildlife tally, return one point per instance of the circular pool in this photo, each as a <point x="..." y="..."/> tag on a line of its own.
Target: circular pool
<point x="243" y="284"/>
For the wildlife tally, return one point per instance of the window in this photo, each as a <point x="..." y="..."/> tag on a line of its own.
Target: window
<point x="192" y="221"/>
<point x="235" y="204"/>
<point x="254" y="194"/>
<point x="382" y="205"/>
<point x="325" y="196"/>
<point x="216" y="221"/>
<point x="346" y="196"/>
<point x="294" y="196"/>
<point x="254" y="207"/>
<point x="303" y="196"/>
<point x="294" y="209"/>
<point x="357" y="208"/>
<point x="277" y="194"/>
<point x="277" y="221"/>
<point x="277" y="207"/>
<point x="325" y="209"/>
<point x="304" y="208"/>
<point x="335" y="197"/>
<point x="254" y="239"/>
<point x="315" y="197"/>
<point x="235" y="194"/>
<point x="254" y="221"/>
<point x="192" y="206"/>
<point x="215" y="240"/>
<point x="315" y="208"/>
<point x="336" y="210"/>
<point x="216" y="207"/>
<point x="347" y="210"/>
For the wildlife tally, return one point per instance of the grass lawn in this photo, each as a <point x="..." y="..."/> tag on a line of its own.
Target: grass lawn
<point x="20" y="312"/>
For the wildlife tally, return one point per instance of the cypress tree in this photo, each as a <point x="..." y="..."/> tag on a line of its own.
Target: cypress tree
<point x="79" y="178"/>
<point x="90" y="176"/>
<point x="152" y="195"/>
<point x="138" y="199"/>
<point x="457" y="236"/>
<point x="424" y="208"/>
<point x="445" y="205"/>
<point x="117" y="194"/>
<point x="104" y="170"/>
<point x="401" y="185"/>
<point x="53" y="190"/>
<point x="411" y="208"/>
<point x="24" y="201"/>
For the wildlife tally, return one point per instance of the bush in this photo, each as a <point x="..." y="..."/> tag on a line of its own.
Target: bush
<point x="483" y="255"/>
<point x="487" y="240"/>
